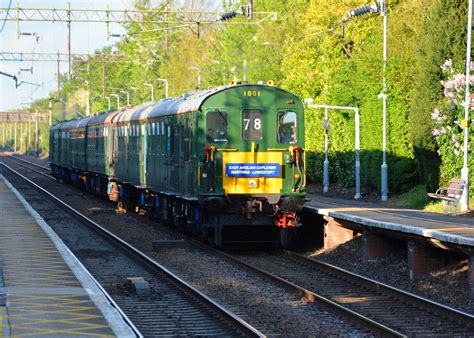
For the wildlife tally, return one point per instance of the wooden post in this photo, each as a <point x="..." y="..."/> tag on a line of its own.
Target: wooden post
<point x="36" y="136"/>
<point x="28" y="135"/>
<point x="10" y="132"/>
<point x="21" y="137"/>
<point x="14" y="140"/>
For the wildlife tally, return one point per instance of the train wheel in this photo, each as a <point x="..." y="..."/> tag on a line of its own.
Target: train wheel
<point x="216" y="234"/>
<point x="167" y="217"/>
<point x="283" y="237"/>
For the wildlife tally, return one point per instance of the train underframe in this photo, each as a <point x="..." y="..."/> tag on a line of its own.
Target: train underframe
<point x="205" y="217"/>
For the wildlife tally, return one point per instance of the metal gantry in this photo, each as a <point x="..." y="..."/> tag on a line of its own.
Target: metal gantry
<point x="140" y="16"/>
<point x="63" y="57"/>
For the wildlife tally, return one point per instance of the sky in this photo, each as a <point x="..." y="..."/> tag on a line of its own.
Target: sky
<point x="85" y="38"/>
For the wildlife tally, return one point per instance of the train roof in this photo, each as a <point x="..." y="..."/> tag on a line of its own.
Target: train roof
<point x="57" y="125"/>
<point x="134" y="113"/>
<point x="184" y="104"/>
<point x="77" y="123"/>
<point x="103" y="118"/>
<point x="181" y="105"/>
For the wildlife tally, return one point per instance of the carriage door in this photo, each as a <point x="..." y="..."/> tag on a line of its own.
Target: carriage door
<point x="189" y="164"/>
<point x="143" y="154"/>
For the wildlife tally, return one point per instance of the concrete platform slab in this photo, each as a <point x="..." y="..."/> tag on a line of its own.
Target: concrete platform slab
<point x="449" y="229"/>
<point x="46" y="290"/>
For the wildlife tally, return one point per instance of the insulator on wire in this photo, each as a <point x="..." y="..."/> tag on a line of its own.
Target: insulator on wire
<point x="228" y="16"/>
<point x="362" y="10"/>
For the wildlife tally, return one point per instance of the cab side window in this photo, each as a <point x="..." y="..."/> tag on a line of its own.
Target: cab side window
<point x="216" y="122"/>
<point x="287" y="127"/>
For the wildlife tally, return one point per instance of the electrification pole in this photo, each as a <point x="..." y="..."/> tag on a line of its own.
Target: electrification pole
<point x="383" y="94"/>
<point x="103" y="80"/>
<point x="69" y="42"/>
<point x="465" y="169"/>
<point x="379" y="7"/>
<point x="59" y="81"/>
<point x="50" y="113"/>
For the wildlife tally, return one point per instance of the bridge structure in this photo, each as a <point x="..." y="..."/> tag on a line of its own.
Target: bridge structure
<point x="22" y="131"/>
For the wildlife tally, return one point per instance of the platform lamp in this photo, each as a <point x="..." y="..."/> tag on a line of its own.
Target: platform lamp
<point x="166" y="86"/>
<point x="152" y="90"/>
<point x="128" y="96"/>
<point x="118" y="99"/>
<point x="108" y="101"/>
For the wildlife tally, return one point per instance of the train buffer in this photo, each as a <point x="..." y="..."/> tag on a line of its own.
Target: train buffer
<point x="450" y="195"/>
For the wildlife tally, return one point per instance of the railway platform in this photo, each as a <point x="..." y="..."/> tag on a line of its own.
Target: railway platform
<point x="427" y="235"/>
<point x="44" y="290"/>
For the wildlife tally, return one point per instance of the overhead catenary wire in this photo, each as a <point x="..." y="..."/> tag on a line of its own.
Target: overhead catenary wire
<point x="6" y="16"/>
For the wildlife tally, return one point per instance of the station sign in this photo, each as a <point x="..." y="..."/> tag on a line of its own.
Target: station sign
<point x="252" y="169"/>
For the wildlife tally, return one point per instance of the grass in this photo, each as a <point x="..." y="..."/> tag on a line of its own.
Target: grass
<point x="416" y="198"/>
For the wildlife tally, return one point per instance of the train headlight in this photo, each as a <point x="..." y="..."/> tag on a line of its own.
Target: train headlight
<point x="253" y="183"/>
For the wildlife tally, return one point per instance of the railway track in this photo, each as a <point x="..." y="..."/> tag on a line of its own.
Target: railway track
<point x="174" y="306"/>
<point x="403" y="312"/>
<point x="379" y="308"/>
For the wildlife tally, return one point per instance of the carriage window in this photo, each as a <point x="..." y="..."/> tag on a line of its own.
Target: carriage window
<point x="287" y="127"/>
<point x="216" y="127"/>
<point x="252" y="124"/>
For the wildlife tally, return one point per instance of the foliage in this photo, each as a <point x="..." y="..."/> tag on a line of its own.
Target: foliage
<point x="303" y="49"/>
<point x="442" y="36"/>
<point x="448" y="123"/>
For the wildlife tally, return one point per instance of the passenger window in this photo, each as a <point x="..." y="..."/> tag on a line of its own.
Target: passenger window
<point x="216" y="127"/>
<point x="252" y="124"/>
<point x="287" y="127"/>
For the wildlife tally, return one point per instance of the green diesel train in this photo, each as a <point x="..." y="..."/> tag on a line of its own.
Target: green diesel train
<point x="229" y="156"/>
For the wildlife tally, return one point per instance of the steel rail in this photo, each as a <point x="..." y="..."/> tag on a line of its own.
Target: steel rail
<point x="353" y="316"/>
<point x="379" y="287"/>
<point x="148" y="262"/>
<point x="28" y="162"/>
<point x="18" y="161"/>
<point x="311" y="296"/>
<point x="347" y="275"/>
<point x="372" y="284"/>
<point x="94" y="280"/>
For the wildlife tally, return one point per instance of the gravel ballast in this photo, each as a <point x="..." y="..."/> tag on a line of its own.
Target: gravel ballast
<point x="268" y="306"/>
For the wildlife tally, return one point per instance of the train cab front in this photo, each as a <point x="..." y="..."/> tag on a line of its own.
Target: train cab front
<point x="254" y="163"/>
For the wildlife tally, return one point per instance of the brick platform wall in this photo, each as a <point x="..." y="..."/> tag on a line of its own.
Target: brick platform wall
<point x="376" y="246"/>
<point x="335" y="234"/>
<point x="470" y="276"/>
<point x="423" y="259"/>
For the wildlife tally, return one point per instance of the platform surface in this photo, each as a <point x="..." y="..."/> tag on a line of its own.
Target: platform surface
<point x="452" y="229"/>
<point x="39" y="294"/>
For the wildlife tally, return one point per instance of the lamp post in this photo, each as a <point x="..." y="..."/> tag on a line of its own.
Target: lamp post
<point x="118" y="99"/>
<point x="108" y="101"/>
<point x="152" y="90"/>
<point x="128" y="96"/>
<point x="379" y="7"/>
<point x="465" y="168"/>
<point x="199" y="74"/>
<point x="310" y="104"/>
<point x="166" y="86"/>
